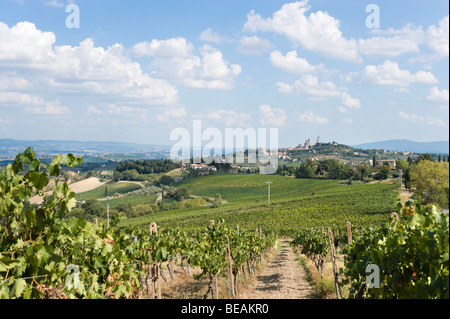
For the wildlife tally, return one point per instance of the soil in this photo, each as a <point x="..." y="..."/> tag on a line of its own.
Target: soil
<point x="282" y="278"/>
<point x="78" y="187"/>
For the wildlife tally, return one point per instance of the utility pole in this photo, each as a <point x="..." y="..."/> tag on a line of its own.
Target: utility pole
<point x="107" y="216"/>
<point x="268" y="199"/>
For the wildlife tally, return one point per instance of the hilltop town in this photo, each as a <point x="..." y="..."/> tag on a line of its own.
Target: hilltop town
<point x="346" y="154"/>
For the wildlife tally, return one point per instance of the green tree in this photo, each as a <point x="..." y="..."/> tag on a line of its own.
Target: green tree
<point x="117" y="176"/>
<point x="305" y="171"/>
<point x="410" y="160"/>
<point x="92" y="207"/>
<point x="181" y="193"/>
<point x="407" y="179"/>
<point x="131" y="175"/>
<point x="431" y="182"/>
<point x="401" y="164"/>
<point x="385" y="171"/>
<point x="360" y="172"/>
<point x="424" y="157"/>
<point x="165" y="180"/>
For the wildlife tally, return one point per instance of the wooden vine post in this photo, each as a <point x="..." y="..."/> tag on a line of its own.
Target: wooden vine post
<point x="155" y="270"/>
<point x="349" y="233"/>
<point x="230" y="270"/>
<point x="239" y="271"/>
<point x="333" y="260"/>
<point x="260" y="238"/>
<point x="213" y="278"/>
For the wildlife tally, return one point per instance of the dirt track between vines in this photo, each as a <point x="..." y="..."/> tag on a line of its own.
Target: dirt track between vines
<point x="282" y="278"/>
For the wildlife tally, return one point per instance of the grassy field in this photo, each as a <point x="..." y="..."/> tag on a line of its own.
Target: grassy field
<point x="120" y="188"/>
<point x="295" y="203"/>
<point x="133" y="200"/>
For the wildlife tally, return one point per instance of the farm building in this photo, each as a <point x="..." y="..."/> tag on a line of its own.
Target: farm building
<point x="203" y="167"/>
<point x="391" y="163"/>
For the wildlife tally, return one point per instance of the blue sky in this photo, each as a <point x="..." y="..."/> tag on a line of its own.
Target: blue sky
<point x="135" y="70"/>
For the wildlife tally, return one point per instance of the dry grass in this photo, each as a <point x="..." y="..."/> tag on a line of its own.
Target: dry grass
<point x="185" y="286"/>
<point x="404" y="197"/>
<point x="323" y="285"/>
<point x="78" y="187"/>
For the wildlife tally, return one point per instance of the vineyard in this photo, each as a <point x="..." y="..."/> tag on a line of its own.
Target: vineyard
<point x="295" y="204"/>
<point x="408" y="255"/>
<point x="44" y="254"/>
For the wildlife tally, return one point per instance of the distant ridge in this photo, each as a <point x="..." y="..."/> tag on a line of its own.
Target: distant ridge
<point x="9" y="147"/>
<point x="439" y="147"/>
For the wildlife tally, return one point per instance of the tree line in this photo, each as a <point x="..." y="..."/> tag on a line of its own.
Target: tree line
<point x="141" y="169"/>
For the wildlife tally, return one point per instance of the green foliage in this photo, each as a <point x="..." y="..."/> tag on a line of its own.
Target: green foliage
<point x="314" y="244"/>
<point x="305" y="171"/>
<point x="178" y="194"/>
<point x="401" y="164"/>
<point x="109" y="189"/>
<point x="147" y="166"/>
<point x="384" y="171"/>
<point x="412" y="256"/>
<point x="42" y="243"/>
<point x="165" y="180"/>
<point x="432" y="182"/>
<point x="424" y="157"/>
<point x="292" y="205"/>
<point x="93" y="207"/>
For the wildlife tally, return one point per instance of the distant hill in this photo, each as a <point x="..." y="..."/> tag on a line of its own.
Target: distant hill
<point x="441" y="147"/>
<point x="9" y="147"/>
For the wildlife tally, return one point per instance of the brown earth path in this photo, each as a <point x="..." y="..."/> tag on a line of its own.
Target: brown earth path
<point x="282" y="278"/>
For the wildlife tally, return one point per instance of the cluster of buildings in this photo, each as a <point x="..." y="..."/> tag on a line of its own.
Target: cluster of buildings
<point x="308" y="145"/>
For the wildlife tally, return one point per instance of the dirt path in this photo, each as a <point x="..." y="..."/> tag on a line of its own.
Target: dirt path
<point x="282" y="278"/>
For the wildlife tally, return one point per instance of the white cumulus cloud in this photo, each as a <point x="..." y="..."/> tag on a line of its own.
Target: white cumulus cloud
<point x="310" y="117"/>
<point x="392" y="43"/>
<point x="389" y="73"/>
<point x="310" y="86"/>
<point x="438" y="96"/>
<point x="229" y="118"/>
<point x="292" y="63"/>
<point x="254" y="45"/>
<point x="172" y="113"/>
<point x="176" y="59"/>
<point x="32" y="103"/>
<point x="414" y="118"/>
<point x="317" y="32"/>
<point x="272" y="116"/>
<point x="78" y="69"/>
